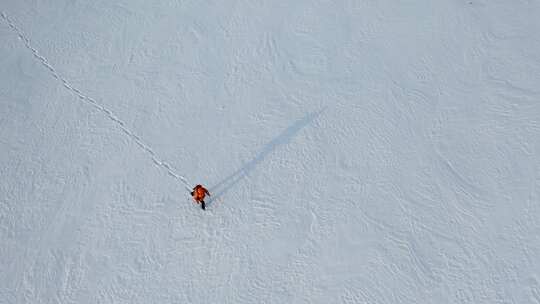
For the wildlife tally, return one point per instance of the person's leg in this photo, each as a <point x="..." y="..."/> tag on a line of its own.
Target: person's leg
<point x="202" y="205"/>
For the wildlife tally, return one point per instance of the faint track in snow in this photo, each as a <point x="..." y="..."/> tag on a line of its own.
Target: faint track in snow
<point x="534" y="289"/>
<point x="122" y="125"/>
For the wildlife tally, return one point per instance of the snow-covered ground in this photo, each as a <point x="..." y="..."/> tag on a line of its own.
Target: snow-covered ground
<point x="357" y="151"/>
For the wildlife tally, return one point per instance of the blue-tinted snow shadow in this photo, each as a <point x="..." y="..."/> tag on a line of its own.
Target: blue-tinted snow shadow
<point x="283" y="138"/>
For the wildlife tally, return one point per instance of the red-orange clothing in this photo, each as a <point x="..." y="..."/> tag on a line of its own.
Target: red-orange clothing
<point x="199" y="192"/>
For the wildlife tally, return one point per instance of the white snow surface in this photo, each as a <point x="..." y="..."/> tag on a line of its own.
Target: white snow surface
<point x="356" y="151"/>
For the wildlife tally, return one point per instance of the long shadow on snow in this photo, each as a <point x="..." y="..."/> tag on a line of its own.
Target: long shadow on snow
<point x="283" y="138"/>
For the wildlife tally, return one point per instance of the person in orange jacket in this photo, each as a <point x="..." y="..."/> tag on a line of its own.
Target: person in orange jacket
<point x="198" y="193"/>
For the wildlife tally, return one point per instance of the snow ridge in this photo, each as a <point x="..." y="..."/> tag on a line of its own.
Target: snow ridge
<point x="122" y="125"/>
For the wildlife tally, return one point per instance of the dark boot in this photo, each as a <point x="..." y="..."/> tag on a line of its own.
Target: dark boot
<point x="203" y="205"/>
<point x="191" y="193"/>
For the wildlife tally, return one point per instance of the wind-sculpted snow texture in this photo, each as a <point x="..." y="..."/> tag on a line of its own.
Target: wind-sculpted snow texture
<point x="357" y="151"/>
